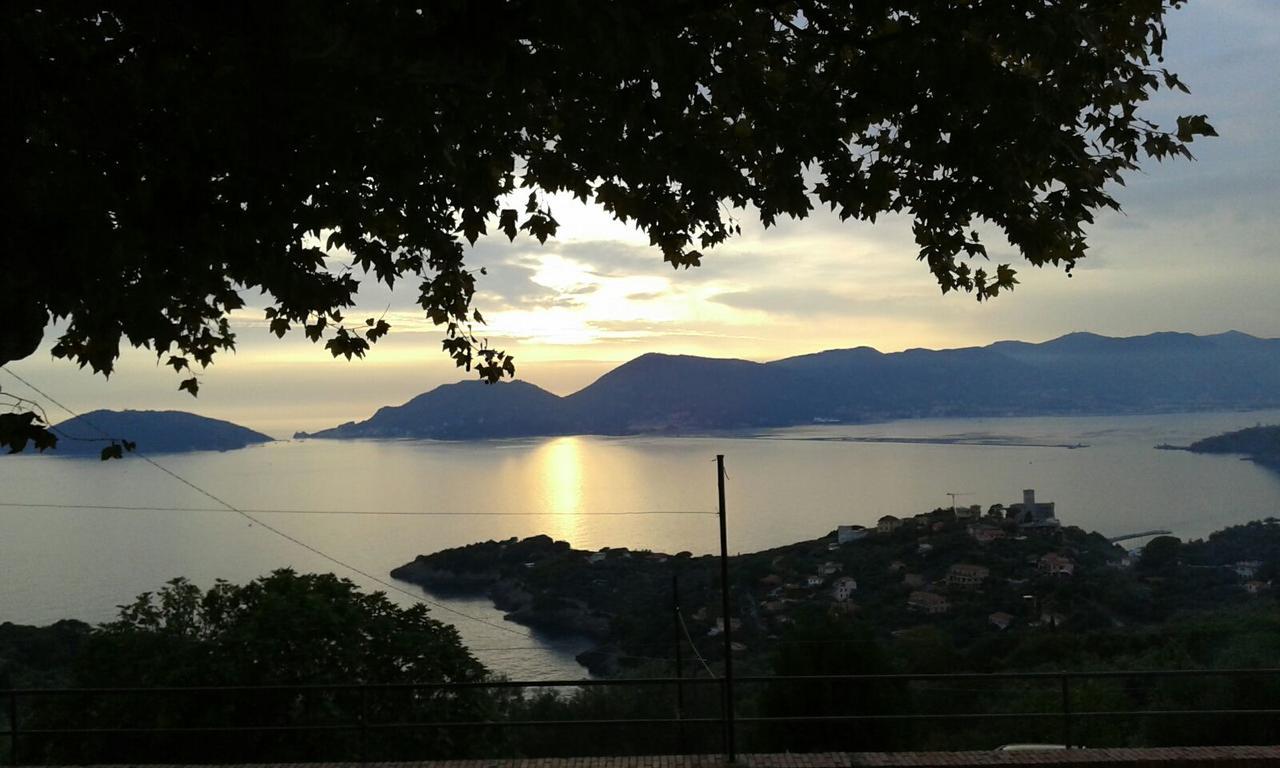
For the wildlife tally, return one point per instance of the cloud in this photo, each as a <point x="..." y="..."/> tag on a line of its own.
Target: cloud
<point x="789" y="301"/>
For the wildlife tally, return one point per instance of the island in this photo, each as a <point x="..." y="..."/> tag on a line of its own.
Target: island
<point x="150" y="432"/>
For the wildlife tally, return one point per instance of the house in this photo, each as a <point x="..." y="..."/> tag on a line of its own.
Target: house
<point x="847" y="534"/>
<point x="914" y="580"/>
<point x="843" y="588"/>
<point x="972" y="512"/>
<point x="985" y="534"/>
<point x="1056" y="565"/>
<point x="927" y="602"/>
<point x="1052" y="619"/>
<point x="773" y="606"/>
<point x="792" y="589"/>
<point x="889" y="524"/>
<point x="814" y="581"/>
<point x="1247" y="569"/>
<point x="924" y="548"/>
<point x="1256" y="587"/>
<point x="897" y="566"/>
<point x="597" y="557"/>
<point x="966" y="575"/>
<point x="734" y="624"/>
<point x="830" y="569"/>
<point x="1000" y="620"/>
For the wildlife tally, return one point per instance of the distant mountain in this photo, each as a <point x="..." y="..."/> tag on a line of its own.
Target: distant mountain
<point x="153" y="432"/>
<point x="677" y="393"/>
<point x="462" y="411"/>
<point x="1080" y="373"/>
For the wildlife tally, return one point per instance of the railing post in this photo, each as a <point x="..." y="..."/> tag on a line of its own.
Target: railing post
<point x="1066" y="712"/>
<point x="13" y="727"/>
<point x="675" y="625"/>
<point x="364" y="723"/>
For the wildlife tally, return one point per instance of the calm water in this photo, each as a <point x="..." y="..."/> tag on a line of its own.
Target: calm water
<point x="783" y="486"/>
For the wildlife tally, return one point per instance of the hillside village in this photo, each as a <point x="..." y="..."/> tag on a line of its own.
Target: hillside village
<point x="965" y="571"/>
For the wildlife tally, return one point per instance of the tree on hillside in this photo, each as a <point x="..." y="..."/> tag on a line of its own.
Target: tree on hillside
<point x="278" y="630"/>
<point x="165" y="162"/>
<point x="1160" y="555"/>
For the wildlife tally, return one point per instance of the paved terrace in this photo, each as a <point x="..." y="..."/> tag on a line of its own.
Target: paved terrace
<point x="1179" y="757"/>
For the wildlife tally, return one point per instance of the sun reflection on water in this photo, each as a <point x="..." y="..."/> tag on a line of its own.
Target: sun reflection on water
<point x="560" y="467"/>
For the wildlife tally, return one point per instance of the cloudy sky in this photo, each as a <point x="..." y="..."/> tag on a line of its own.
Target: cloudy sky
<point x="1195" y="250"/>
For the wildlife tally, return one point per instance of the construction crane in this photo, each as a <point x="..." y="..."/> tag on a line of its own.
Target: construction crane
<point x="953" y="499"/>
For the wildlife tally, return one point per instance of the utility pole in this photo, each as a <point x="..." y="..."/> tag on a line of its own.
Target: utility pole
<point x="730" y="748"/>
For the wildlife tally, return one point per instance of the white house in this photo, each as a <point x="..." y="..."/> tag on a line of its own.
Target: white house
<point x="843" y="588"/>
<point x="889" y="524"/>
<point x="1247" y="569"/>
<point x="847" y="534"/>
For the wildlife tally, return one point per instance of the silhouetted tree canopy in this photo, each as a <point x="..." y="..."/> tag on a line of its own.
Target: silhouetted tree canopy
<point x="283" y="629"/>
<point x="165" y="161"/>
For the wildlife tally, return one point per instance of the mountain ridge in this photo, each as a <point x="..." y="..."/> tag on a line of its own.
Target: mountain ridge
<point x="657" y="393"/>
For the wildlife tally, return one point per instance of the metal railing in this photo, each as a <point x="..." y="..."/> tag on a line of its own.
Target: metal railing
<point x="360" y="713"/>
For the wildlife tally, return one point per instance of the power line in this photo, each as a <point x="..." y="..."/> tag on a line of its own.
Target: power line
<point x="269" y="527"/>
<point x="697" y="654"/>
<point x="354" y="512"/>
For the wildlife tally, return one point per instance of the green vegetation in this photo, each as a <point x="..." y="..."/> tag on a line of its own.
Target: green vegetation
<point x="1178" y="606"/>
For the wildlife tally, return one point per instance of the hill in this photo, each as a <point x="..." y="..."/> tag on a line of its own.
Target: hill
<point x="153" y="432"/>
<point x="1080" y="373"/>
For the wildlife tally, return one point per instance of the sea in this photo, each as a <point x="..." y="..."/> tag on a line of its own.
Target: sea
<point x="78" y="537"/>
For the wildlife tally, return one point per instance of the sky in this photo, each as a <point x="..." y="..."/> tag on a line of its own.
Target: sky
<point x="1195" y="250"/>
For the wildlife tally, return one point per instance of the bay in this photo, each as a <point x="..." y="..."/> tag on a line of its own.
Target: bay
<point x="642" y="492"/>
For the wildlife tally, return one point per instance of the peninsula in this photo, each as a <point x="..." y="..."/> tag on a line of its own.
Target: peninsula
<point x="968" y="575"/>
<point x="1258" y="444"/>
